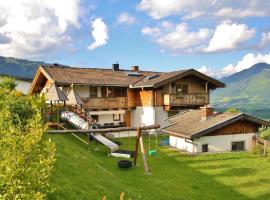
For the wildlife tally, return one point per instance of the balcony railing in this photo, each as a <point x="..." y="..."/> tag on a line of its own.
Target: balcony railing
<point x="186" y="99"/>
<point x="105" y="102"/>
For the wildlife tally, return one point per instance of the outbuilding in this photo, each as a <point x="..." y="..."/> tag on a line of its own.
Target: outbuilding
<point x="204" y="130"/>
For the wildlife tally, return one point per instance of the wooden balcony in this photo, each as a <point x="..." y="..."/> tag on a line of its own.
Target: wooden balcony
<point x="186" y="99"/>
<point x="105" y="103"/>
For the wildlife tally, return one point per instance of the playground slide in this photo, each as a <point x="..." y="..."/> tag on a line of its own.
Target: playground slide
<point x="80" y="123"/>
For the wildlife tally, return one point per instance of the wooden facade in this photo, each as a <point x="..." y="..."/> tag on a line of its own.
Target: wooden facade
<point x="239" y="127"/>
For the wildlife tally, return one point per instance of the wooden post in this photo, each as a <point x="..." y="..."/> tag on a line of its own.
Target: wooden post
<point x="51" y="116"/>
<point x="139" y="132"/>
<point x="206" y="87"/>
<point x="264" y="147"/>
<point x="58" y="113"/>
<point x="146" y="168"/>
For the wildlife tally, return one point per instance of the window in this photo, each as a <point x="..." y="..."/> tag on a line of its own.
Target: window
<point x="116" y="117"/>
<point x="93" y="91"/>
<point x="103" y="91"/>
<point x="93" y="118"/>
<point x="120" y="92"/>
<point x="182" y="89"/>
<point x="238" y="146"/>
<point x="205" y="148"/>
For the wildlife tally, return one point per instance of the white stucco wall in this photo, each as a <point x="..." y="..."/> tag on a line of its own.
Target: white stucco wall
<point x="142" y="116"/>
<point x="22" y="85"/>
<point x="182" y="144"/>
<point x="108" y="118"/>
<point x="221" y="143"/>
<point x="160" y="115"/>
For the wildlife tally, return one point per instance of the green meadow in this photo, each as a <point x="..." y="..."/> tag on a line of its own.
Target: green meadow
<point x="87" y="172"/>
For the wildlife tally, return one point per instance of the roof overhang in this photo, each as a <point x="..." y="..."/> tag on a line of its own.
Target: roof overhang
<point x="39" y="71"/>
<point x="176" y="134"/>
<point x="241" y="116"/>
<point x="87" y="84"/>
<point x="216" y="83"/>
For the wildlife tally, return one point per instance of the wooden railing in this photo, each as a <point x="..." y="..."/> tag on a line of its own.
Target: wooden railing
<point x="186" y="99"/>
<point x="105" y="102"/>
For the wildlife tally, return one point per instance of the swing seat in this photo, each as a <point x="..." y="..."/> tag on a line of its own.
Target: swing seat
<point x="152" y="152"/>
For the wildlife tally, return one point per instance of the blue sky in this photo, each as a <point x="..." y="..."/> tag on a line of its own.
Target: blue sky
<point x="216" y="37"/>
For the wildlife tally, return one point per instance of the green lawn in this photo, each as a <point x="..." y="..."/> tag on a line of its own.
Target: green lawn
<point x="83" y="173"/>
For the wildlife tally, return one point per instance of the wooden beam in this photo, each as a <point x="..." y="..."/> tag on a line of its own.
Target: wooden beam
<point x="146" y="168"/>
<point x="107" y="130"/>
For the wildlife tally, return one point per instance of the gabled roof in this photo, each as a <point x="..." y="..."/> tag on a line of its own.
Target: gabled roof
<point x="55" y="94"/>
<point x="73" y="98"/>
<point x="62" y="75"/>
<point x="166" y="78"/>
<point x="188" y="124"/>
<point x="94" y="76"/>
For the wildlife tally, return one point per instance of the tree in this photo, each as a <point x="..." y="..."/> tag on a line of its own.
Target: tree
<point x="27" y="157"/>
<point x="265" y="134"/>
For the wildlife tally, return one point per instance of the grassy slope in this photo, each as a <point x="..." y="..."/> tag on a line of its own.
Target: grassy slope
<point x="82" y="173"/>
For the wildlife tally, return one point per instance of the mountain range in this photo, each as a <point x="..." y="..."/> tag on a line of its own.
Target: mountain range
<point x="18" y="67"/>
<point x="247" y="90"/>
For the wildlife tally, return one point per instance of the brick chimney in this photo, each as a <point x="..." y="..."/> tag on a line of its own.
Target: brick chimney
<point x="115" y="67"/>
<point x="207" y="111"/>
<point x="135" y="68"/>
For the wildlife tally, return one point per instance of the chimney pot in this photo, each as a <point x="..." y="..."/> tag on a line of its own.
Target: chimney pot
<point x="207" y="111"/>
<point x="115" y="67"/>
<point x="135" y="68"/>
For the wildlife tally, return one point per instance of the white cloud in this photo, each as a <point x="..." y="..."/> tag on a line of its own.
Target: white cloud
<point x="210" y="8"/>
<point x="125" y="18"/>
<point x="177" y="38"/>
<point x="100" y="33"/>
<point x="35" y="27"/>
<point x="246" y="62"/>
<point x="265" y="39"/>
<point x="229" y="36"/>
<point x="207" y="70"/>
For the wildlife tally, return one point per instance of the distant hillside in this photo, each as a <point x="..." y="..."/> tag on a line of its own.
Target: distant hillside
<point x="18" y="67"/>
<point x="248" y="90"/>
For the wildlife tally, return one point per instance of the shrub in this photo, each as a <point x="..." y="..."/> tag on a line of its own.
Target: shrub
<point x="27" y="158"/>
<point x="258" y="149"/>
<point x="265" y="134"/>
<point x="8" y="83"/>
